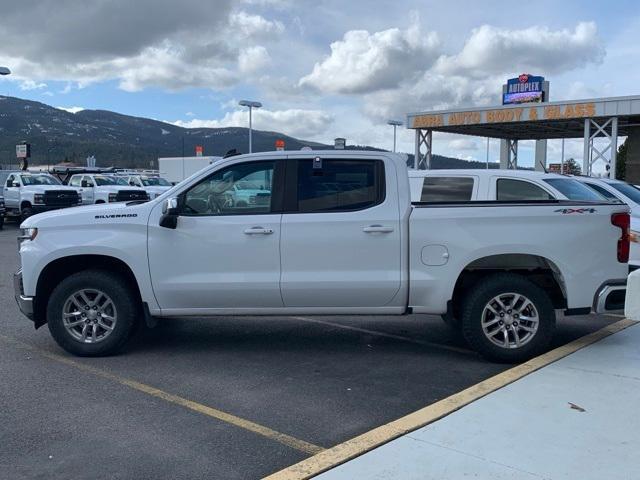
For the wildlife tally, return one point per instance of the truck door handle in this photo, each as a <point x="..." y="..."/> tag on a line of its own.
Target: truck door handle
<point x="377" y="229"/>
<point x="258" y="231"/>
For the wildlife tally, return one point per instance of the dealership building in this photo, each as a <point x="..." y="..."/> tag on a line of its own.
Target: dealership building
<point x="527" y="115"/>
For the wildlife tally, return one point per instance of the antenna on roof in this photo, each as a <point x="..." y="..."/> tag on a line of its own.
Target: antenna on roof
<point x="544" y="167"/>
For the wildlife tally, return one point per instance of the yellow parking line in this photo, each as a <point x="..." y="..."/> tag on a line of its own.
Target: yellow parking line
<point x="361" y="444"/>
<point x="389" y="335"/>
<point x="267" y="432"/>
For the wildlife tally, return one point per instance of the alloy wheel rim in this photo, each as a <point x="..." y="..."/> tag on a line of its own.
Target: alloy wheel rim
<point x="89" y="315"/>
<point x="510" y="320"/>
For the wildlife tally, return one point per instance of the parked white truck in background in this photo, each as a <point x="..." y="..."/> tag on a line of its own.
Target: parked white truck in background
<point x="103" y="188"/>
<point x="27" y="193"/>
<point x="625" y="193"/>
<point x="154" y="185"/>
<point x="337" y="235"/>
<point x="464" y="185"/>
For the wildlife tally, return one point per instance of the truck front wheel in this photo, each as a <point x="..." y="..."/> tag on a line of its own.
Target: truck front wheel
<point x="507" y="318"/>
<point x="92" y="313"/>
<point x="27" y="211"/>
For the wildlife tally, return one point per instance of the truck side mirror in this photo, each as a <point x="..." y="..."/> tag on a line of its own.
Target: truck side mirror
<point x="170" y="213"/>
<point x="84" y="184"/>
<point x="132" y="183"/>
<point x="16" y="185"/>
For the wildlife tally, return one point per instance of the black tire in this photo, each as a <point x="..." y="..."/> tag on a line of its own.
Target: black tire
<point x="26" y="213"/>
<point x="99" y="201"/>
<point x="1" y="222"/>
<point x="503" y="284"/>
<point x="118" y="290"/>
<point x="452" y="322"/>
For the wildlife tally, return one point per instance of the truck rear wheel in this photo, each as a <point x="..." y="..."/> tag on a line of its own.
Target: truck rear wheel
<point x="507" y="318"/>
<point x="92" y="313"/>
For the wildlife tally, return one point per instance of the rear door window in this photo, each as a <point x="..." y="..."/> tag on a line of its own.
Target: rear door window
<point x="510" y="189"/>
<point x="335" y="185"/>
<point x="447" y="189"/>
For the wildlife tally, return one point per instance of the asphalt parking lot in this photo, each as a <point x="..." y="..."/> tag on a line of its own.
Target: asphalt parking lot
<point x="224" y="398"/>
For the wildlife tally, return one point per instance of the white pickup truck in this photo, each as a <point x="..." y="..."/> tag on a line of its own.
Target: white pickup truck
<point x="463" y="185"/>
<point x="337" y="235"/>
<point x="101" y="188"/>
<point x="27" y="193"/>
<point x="154" y="185"/>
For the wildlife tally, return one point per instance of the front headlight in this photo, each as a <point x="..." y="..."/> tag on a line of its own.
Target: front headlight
<point x="38" y="198"/>
<point x="113" y="197"/>
<point x="27" y="234"/>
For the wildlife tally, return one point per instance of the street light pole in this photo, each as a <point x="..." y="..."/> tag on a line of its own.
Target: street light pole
<point x="395" y="124"/>
<point x="5" y="71"/>
<point x="251" y="104"/>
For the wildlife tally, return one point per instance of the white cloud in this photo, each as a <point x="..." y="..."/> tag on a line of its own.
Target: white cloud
<point x="250" y="25"/>
<point x="365" y="62"/>
<point x="217" y="49"/>
<point x="294" y="122"/>
<point x="466" y="144"/>
<point x="28" y="84"/>
<point x="490" y="55"/>
<point x="492" y="50"/>
<point x="71" y="109"/>
<point x="253" y="59"/>
<point x="165" y="66"/>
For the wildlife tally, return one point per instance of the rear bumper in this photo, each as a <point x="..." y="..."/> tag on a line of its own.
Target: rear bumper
<point x="610" y="297"/>
<point x="24" y="303"/>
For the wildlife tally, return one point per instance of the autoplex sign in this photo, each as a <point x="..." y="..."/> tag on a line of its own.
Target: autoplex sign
<point x="504" y="115"/>
<point x="524" y="89"/>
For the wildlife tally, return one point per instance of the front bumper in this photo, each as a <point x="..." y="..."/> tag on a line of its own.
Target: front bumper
<point x="610" y="297"/>
<point x="24" y="303"/>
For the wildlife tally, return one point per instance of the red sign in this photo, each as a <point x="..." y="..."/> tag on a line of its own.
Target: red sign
<point x="199" y="150"/>
<point x="279" y="144"/>
<point x="523" y="77"/>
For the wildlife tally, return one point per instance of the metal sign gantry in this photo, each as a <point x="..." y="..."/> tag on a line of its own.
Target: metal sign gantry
<point x="608" y="129"/>
<point x="424" y="140"/>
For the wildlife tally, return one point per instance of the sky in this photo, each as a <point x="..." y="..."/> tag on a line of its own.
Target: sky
<point x="322" y="69"/>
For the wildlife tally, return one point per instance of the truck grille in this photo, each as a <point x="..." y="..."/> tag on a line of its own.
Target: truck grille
<point x="131" y="195"/>
<point x="61" y="198"/>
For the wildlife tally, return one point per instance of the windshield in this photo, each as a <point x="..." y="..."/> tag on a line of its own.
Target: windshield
<point x="39" y="180"/>
<point x="102" y="180"/>
<point x="628" y="191"/>
<point x="574" y="190"/>
<point x="154" y="182"/>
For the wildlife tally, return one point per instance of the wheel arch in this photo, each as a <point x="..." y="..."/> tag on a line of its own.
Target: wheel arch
<point x="62" y="267"/>
<point x="538" y="269"/>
